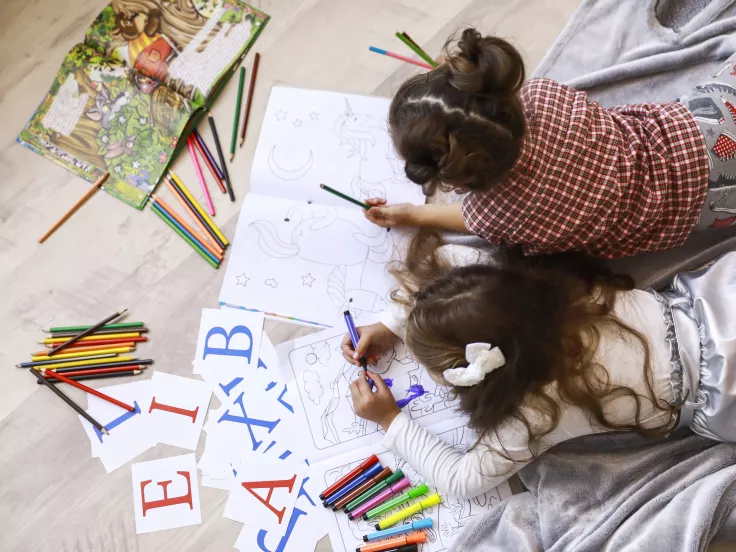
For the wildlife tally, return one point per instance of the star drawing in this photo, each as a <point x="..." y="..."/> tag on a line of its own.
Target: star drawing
<point x="314" y="115"/>
<point x="280" y="115"/>
<point x="307" y="280"/>
<point x="242" y="279"/>
<point x="297" y="123"/>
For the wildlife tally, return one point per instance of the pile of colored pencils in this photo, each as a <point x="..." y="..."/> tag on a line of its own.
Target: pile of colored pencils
<point x="99" y="351"/>
<point x="428" y="62"/>
<point x="209" y="241"/>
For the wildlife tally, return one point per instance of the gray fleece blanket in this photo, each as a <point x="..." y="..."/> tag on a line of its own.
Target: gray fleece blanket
<point x="636" y="51"/>
<point x="617" y="492"/>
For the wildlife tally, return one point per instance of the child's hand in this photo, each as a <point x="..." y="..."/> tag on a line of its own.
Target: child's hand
<point x="389" y="216"/>
<point x="379" y="407"/>
<point x="374" y="340"/>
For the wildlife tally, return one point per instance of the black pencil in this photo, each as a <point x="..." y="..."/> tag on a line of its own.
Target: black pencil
<point x="218" y="147"/>
<point x="102" y="365"/>
<point x="196" y="213"/>
<point x="95" y="376"/>
<point x="86" y="332"/>
<point x="99" y="332"/>
<point x="42" y="380"/>
<point x="208" y="153"/>
<point x="99" y="358"/>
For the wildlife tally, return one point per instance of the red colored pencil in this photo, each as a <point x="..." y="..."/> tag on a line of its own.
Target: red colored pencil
<point x="128" y="368"/>
<point x="88" y="390"/>
<point x="124" y="374"/>
<point x="82" y="349"/>
<point x="110" y="341"/>
<point x="249" y="102"/>
<point x="209" y="165"/>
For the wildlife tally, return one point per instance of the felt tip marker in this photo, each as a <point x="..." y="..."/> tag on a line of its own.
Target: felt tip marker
<point x="355" y="338"/>
<point x="379" y="498"/>
<point x="372" y="459"/>
<point x="368" y="484"/>
<point x="398" y="475"/>
<point x="391" y="504"/>
<point x="425" y="523"/>
<point x="405" y="548"/>
<point x="414" y="538"/>
<point x="432" y="500"/>
<point x="373" y="471"/>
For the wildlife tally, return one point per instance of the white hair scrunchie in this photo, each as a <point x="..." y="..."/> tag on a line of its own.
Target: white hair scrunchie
<point x="482" y="360"/>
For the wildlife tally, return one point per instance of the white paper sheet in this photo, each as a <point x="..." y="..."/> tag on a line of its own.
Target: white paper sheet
<point x="449" y="517"/>
<point x="309" y="262"/>
<point x="229" y="341"/>
<point x="166" y="494"/>
<point x="130" y="433"/>
<point x="320" y="377"/>
<point x="310" y="137"/>
<point x="178" y="409"/>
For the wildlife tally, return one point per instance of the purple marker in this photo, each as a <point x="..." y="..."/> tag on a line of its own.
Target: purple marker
<point x="359" y="480"/>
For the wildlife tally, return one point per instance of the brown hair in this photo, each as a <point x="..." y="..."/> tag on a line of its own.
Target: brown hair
<point x="459" y="127"/>
<point x="545" y="314"/>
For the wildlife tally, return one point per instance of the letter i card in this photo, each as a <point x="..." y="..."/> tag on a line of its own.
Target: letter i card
<point x="166" y="494"/>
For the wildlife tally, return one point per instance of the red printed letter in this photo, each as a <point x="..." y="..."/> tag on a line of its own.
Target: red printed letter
<point x="271" y="485"/>
<point x="166" y="501"/>
<point x="174" y="410"/>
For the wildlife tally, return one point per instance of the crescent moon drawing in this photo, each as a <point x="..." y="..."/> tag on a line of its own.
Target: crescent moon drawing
<point x="286" y="174"/>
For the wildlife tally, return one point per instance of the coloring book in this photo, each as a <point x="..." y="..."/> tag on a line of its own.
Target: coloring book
<point x="299" y="252"/>
<point x="123" y="98"/>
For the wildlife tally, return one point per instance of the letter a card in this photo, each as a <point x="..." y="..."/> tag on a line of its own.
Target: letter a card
<point x="178" y="409"/>
<point x="166" y="494"/>
<point x="265" y="490"/>
<point x="229" y="341"/>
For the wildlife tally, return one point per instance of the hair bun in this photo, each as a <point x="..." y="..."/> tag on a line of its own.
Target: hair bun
<point x="420" y="173"/>
<point x="485" y="65"/>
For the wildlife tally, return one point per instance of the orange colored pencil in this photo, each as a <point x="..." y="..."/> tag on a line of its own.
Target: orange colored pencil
<point x="92" y="338"/>
<point x="209" y="165"/>
<point x="85" y="349"/>
<point x="106" y="341"/>
<point x="216" y="252"/>
<point x="132" y="366"/>
<point x="87" y="389"/>
<point x="198" y="222"/>
<point x="100" y="181"/>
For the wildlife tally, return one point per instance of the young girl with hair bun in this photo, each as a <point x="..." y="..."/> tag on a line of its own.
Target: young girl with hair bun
<point x="550" y="171"/>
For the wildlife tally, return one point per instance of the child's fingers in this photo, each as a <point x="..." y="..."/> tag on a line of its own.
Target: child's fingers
<point x="362" y="384"/>
<point x="381" y="386"/>
<point x="363" y="344"/>
<point x="375" y="201"/>
<point x="355" y="392"/>
<point x="347" y="350"/>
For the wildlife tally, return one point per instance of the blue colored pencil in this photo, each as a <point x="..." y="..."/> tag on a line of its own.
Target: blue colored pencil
<point x="174" y="224"/>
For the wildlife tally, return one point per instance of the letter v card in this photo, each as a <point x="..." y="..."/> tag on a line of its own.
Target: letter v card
<point x="166" y="494"/>
<point x="265" y="490"/>
<point x="178" y="409"/>
<point x="229" y="340"/>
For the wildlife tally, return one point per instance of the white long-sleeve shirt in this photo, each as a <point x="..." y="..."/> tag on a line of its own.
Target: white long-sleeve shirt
<point x="468" y="474"/>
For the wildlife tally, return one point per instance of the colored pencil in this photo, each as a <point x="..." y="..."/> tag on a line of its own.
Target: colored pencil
<point x="115" y="334"/>
<point x="90" y="338"/>
<point x="118" y="326"/>
<point x="100" y="181"/>
<point x="249" y="102"/>
<point x="106" y="342"/>
<point x="100" y="332"/>
<point x="93" y="349"/>
<point x="236" y="122"/>
<point x="406" y="39"/>
<point x="207" y="162"/>
<point x="87" y="332"/>
<point x="400" y="57"/>
<point x="333" y="191"/>
<point x="208" y="153"/>
<point x="80" y="355"/>
<point x="200" y="176"/>
<point x="218" y="147"/>
<point x="123" y="374"/>
<point x="215" y="250"/>
<point x="199" y="221"/>
<point x="50" y="365"/>
<point x="66" y="362"/>
<point x="134" y="364"/>
<point x="68" y="401"/>
<point x="97" y="371"/>
<point x="89" y="390"/>
<point x="198" y="207"/>
<point x="202" y="252"/>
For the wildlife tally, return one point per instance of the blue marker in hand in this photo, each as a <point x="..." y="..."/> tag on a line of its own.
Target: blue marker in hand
<point x="354" y="337"/>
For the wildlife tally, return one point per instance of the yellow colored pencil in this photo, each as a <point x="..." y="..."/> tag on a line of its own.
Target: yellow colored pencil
<point x="89" y="347"/>
<point x="50" y="340"/>
<point x="125" y="358"/>
<point x="199" y="209"/>
<point x="82" y="354"/>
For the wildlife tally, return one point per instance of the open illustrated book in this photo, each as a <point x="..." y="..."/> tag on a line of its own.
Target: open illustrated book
<point x="124" y="97"/>
<point x="299" y="252"/>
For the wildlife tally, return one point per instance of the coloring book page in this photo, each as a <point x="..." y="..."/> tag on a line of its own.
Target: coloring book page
<point x="311" y="137"/>
<point x="449" y="517"/>
<point x="309" y="262"/>
<point x="320" y="377"/>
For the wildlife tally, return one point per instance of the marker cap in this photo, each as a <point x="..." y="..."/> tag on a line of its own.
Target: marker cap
<point x="398" y="475"/>
<point x="400" y="486"/>
<point x="418" y="491"/>
<point x="431" y="501"/>
<point x="425" y="523"/>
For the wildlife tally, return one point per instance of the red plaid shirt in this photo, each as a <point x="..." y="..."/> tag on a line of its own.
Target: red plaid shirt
<point x="609" y="182"/>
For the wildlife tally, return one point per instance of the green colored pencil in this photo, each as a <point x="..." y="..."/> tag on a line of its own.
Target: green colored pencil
<point x="118" y="326"/>
<point x="185" y="237"/>
<point x="326" y="188"/>
<point x="403" y="37"/>
<point x="236" y="123"/>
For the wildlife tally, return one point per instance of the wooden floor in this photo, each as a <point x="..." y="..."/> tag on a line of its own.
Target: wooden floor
<point x="53" y="496"/>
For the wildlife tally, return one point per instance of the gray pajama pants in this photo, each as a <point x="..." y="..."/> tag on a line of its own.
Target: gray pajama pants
<point x="713" y="105"/>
